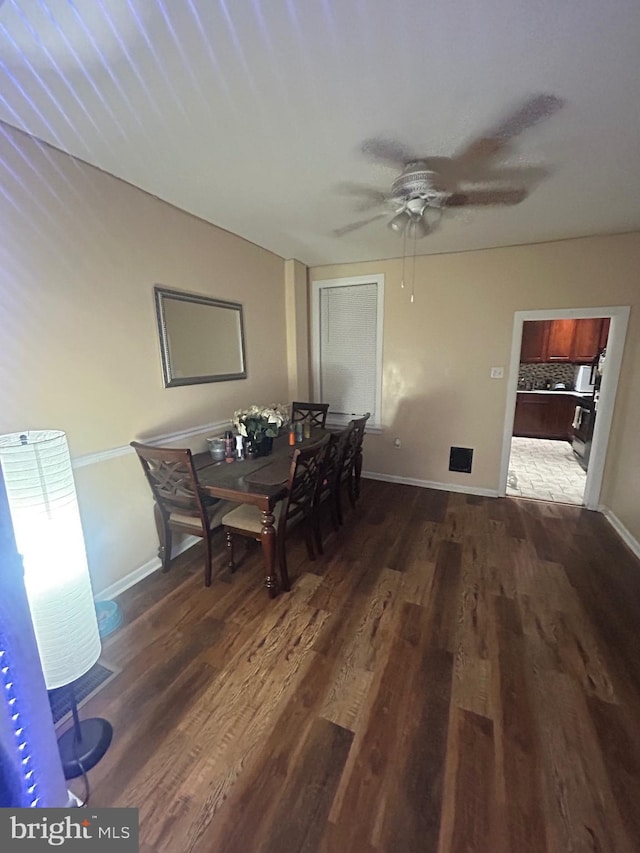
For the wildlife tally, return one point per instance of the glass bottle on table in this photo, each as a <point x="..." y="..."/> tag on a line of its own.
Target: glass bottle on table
<point x="307" y="428"/>
<point x="239" y="447"/>
<point x="229" y="446"/>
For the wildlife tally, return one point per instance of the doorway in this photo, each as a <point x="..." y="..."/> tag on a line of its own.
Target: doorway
<point x="556" y="456"/>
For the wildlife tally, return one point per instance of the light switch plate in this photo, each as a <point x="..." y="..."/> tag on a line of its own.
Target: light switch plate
<point x="497" y="372"/>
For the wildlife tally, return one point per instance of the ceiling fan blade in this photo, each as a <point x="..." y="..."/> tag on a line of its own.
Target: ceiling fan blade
<point x="370" y="196"/>
<point x="486" y="146"/>
<point x="474" y="157"/>
<point x="345" y="229"/>
<point x="532" y="111"/>
<point x="508" y="176"/>
<point x="486" y="197"/>
<point x="389" y="151"/>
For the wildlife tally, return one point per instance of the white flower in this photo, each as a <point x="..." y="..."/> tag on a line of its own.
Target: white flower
<point x="258" y="421"/>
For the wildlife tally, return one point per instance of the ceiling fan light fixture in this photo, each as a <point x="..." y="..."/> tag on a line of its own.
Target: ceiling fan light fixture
<point x="399" y="222"/>
<point x="416" y="207"/>
<point x="418" y="227"/>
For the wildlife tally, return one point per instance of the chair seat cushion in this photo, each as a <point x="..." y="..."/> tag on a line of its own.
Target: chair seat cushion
<point x="249" y="518"/>
<point x="215" y="512"/>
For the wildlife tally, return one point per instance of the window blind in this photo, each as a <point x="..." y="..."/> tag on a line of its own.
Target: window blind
<point x="348" y="347"/>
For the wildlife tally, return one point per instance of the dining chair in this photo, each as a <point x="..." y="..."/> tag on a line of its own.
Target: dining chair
<point x="180" y="506"/>
<point x="295" y="508"/>
<point x="351" y="468"/>
<point x="360" y="425"/>
<point x="315" y="413"/>
<point x="328" y="481"/>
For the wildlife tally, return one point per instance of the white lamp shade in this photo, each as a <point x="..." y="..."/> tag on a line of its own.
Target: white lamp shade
<point x="46" y="521"/>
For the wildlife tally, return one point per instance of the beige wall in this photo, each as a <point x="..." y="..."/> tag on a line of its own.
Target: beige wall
<point x="81" y="252"/>
<point x="438" y="352"/>
<point x="297" y="302"/>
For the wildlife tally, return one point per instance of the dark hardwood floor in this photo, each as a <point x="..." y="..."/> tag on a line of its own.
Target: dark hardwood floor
<point x="455" y="674"/>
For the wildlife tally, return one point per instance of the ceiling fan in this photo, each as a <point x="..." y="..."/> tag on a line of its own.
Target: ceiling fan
<point x="427" y="186"/>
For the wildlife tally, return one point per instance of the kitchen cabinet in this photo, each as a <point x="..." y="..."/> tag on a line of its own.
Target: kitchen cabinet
<point x="586" y="342"/>
<point x="544" y="415"/>
<point x="534" y="341"/>
<point x="553" y="341"/>
<point x="560" y="340"/>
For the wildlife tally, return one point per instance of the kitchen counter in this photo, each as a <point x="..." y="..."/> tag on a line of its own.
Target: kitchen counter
<point x="558" y="391"/>
<point x="548" y="414"/>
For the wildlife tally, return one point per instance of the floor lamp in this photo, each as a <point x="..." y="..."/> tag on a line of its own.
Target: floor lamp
<point x="44" y="511"/>
<point x="30" y="767"/>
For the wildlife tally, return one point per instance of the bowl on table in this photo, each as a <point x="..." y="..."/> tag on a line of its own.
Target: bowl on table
<point x="216" y="448"/>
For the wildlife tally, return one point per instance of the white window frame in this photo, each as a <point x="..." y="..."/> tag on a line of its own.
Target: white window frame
<point x="375" y="422"/>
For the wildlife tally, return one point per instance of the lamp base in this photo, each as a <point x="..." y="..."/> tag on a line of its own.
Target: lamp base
<point x="73" y="802"/>
<point x="80" y="754"/>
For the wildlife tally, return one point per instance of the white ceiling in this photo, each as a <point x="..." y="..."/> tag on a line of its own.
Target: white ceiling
<point x="252" y="114"/>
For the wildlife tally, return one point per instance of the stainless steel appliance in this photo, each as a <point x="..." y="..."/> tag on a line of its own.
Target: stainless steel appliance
<point x="585" y="415"/>
<point x="584" y="380"/>
<point x="583" y="423"/>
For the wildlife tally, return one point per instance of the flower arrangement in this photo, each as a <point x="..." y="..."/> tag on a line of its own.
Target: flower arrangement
<point x="258" y="422"/>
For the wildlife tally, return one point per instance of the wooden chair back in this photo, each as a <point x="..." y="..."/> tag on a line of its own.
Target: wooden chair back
<point x="179" y="504"/>
<point x="172" y="477"/>
<point x="353" y="445"/>
<point x="329" y="479"/>
<point x="359" y="427"/>
<point x="351" y="466"/>
<point x="302" y="486"/>
<point x="315" y="413"/>
<point x="297" y="506"/>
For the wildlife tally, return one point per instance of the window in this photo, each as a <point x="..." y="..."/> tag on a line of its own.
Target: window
<point x="346" y="318"/>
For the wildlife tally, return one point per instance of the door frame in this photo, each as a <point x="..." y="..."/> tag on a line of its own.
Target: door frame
<point x="619" y="316"/>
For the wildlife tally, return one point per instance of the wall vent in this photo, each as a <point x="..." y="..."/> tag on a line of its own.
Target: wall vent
<point x="461" y="459"/>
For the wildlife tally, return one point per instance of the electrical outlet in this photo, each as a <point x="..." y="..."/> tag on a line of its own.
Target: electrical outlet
<point x="497" y="372"/>
<point x="397" y="443"/>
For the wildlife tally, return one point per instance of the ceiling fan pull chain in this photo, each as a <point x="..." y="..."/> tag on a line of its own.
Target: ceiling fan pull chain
<point x="404" y="255"/>
<point x="413" y="276"/>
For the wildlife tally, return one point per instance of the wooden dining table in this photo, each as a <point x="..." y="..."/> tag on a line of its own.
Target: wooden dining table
<point x="260" y="482"/>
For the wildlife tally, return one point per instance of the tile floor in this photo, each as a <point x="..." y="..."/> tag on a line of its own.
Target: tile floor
<point x="545" y="469"/>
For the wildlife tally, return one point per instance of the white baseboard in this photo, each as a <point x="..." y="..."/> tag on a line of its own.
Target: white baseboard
<point x="430" y="484"/>
<point x="141" y="572"/>
<point x="630" y="541"/>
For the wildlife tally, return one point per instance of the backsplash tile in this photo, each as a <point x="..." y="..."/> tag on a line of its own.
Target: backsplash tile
<point x="534" y="376"/>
